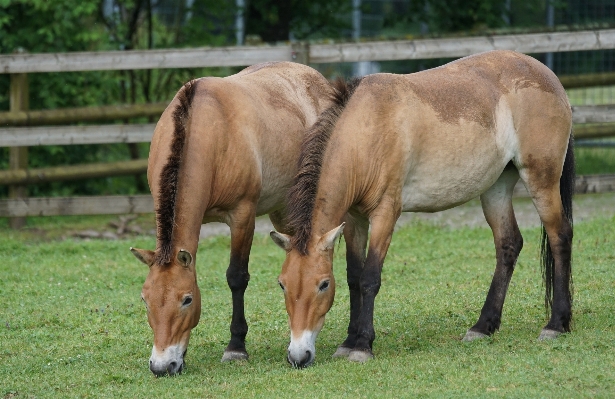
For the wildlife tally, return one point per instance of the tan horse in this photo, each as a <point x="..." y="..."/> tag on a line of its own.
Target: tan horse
<point x="224" y="150"/>
<point x="426" y="142"/>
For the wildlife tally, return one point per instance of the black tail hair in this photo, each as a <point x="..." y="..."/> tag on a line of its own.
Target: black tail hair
<point x="566" y="190"/>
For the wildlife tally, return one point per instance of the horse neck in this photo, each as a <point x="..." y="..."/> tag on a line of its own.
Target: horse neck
<point x="336" y="194"/>
<point x="192" y="198"/>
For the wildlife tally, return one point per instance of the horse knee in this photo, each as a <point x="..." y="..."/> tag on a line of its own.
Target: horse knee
<point x="510" y="248"/>
<point x="370" y="282"/>
<point x="237" y="278"/>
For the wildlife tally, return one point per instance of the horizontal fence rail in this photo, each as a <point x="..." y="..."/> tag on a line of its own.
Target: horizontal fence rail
<point x="73" y="172"/>
<point x="587" y="80"/>
<point x="22" y="128"/>
<point x="154" y="110"/>
<point x="143" y="59"/>
<point x="316" y="53"/>
<point x="142" y="133"/>
<point x="65" y="206"/>
<point x="461" y="47"/>
<point x="81" y="114"/>
<point x="118" y="204"/>
<point x="66" y="135"/>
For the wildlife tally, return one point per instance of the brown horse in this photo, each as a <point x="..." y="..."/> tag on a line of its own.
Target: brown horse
<point x="426" y="142"/>
<point x="225" y="150"/>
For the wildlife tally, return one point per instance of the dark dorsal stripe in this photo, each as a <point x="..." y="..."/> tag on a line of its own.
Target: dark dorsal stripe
<point x="169" y="178"/>
<point x="302" y="195"/>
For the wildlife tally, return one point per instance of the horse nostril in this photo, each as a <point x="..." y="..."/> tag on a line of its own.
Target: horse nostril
<point x="172" y="368"/>
<point x="308" y="357"/>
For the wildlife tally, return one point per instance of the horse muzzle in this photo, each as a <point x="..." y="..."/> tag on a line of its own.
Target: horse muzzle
<point x="302" y="351"/>
<point x="169" y="361"/>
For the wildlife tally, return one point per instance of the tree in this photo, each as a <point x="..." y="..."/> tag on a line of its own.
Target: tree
<point x="278" y="20"/>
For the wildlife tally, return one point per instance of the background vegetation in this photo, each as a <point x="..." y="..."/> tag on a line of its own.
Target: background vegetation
<point x="92" y="25"/>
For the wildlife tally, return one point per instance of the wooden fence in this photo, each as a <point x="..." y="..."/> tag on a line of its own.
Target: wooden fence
<point x="26" y="130"/>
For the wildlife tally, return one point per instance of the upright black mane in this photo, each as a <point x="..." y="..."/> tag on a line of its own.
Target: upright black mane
<point x="165" y="214"/>
<point x="302" y="195"/>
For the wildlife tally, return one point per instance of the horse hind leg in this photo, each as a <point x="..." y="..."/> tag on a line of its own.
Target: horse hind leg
<point x="499" y="213"/>
<point x="552" y="197"/>
<point x="556" y="251"/>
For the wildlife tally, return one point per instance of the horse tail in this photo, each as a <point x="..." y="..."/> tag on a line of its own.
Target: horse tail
<point x="169" y="178"/>
<point x="566" y="191"/>
<point x="302" y="194"/>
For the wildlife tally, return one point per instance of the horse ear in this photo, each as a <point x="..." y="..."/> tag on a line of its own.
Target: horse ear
<point x="184" y="257"/>
<point x="327" y="241"/>
<point x="144" y="255"/>
<point x="281" y="240"/>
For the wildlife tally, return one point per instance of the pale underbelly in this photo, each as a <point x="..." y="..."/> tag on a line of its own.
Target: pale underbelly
<point x="440" y="191"/>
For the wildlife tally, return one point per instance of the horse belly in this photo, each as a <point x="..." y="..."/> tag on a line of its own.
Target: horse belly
<point x="440" y="180"/>
<point x="433" y="193"/>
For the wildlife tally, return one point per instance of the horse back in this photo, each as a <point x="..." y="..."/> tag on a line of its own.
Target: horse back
<point x="435" y="139"/>
<point x="243" y="135"/>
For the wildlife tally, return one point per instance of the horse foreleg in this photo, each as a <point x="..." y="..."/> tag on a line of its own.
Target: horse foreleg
<point x="498" y="210"/>
<point x="355" y="235"/>
<point x="383" y="223"/>
<point x="242" y="221"/>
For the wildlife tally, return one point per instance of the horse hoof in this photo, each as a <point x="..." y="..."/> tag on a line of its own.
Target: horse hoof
<point x="230" y="356"/>
<point x="546" y="334"/>
<point x="360" y="356"/>
<point x="342" y="351"/>
<point x="473" y="335"/>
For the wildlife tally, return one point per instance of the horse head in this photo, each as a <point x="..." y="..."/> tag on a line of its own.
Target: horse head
<point x="309" y="289"/>
<point x="173" y="303"/>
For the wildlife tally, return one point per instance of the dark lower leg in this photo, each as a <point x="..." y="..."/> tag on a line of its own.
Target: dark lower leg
<point x="507" y="251"/>
<point x="383" y="223"/>
<point x="353" y="271"/>
<point x="370" y="285"/>
<point x="561" y="309"/>
<point x="356" y="240"/>
<point x="237" y="277"/>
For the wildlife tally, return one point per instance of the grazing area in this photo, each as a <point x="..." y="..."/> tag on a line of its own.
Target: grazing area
<point x="72" y="323"/>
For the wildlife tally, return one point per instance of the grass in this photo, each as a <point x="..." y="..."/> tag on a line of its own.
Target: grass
<point x="594" y="160"/>
<point x="72" y="325"/>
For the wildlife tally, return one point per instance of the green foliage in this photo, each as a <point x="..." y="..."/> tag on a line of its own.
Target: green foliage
<point x="275" y="21"/>
<point x="460" y="15"/>
<point x="72" y="324"/>
<point x="75" y="25"/>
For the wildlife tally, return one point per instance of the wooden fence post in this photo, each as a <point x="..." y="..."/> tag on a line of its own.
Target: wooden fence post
<point x="19" y="98"/>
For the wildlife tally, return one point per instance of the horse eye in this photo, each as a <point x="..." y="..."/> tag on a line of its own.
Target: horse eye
<point x="281" y="286"/>
<point x="323" y="286"/>
<point x="187" y="301"/>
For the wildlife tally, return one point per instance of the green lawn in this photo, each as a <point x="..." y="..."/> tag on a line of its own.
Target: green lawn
<point x="72" y="324"/>
<point x="595" y="160"/>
